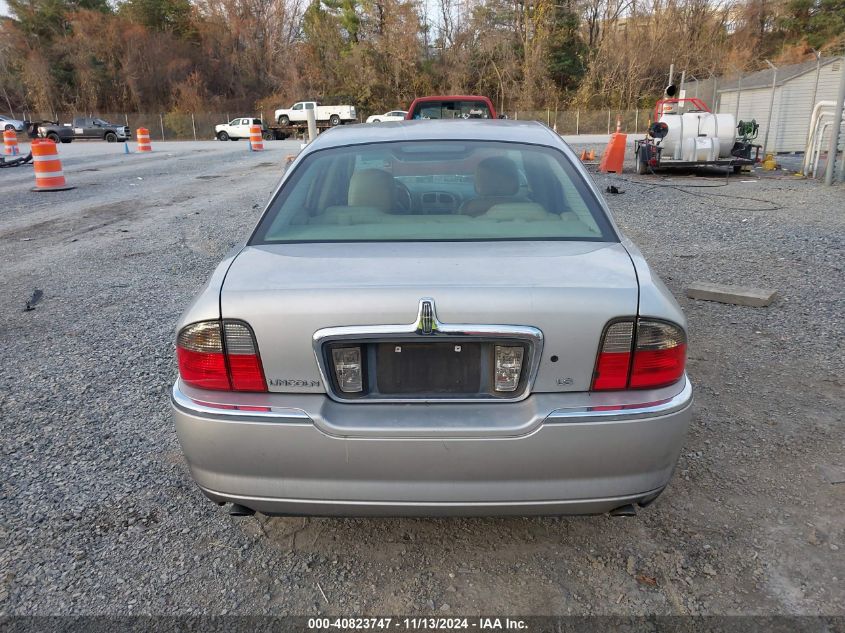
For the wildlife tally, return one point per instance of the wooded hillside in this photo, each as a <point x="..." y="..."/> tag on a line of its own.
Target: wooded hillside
<point x="200" y="55"/>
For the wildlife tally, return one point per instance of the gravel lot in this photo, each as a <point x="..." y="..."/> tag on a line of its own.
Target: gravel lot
<point x="100" y="515"/>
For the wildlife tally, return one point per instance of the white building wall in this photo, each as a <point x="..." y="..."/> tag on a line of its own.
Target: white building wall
<point x="792" y="110"/>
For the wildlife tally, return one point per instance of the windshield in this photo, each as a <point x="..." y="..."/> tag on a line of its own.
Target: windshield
<point x="434" y="190"/>
<point x="452" y="110"/>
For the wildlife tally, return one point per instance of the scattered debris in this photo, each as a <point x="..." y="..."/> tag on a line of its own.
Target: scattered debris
<point x="736" y="295"/>
<point x="647" y="580"/>
<point x="613" y="189"/>
<point x="322" y="593"/>
<point x="35" y="298"/>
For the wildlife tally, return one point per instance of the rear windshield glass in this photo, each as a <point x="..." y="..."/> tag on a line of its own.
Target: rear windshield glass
<point x="434" y="190"/>
<point x="451" y="110"/>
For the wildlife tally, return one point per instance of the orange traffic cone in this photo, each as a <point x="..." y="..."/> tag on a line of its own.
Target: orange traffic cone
<point x="591" y="155"/>
<point x="143" y="136"/>
<point x="48" y="168"/>
<point x="10" y="143"/>
<point x="614" y="154"/>
<point x="583" y="155"/>
<point x="255" y="142"/>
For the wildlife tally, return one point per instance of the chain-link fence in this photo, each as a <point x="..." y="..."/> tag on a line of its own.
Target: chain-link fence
<point x="588" y="121"/>
<point x="182" y="126"/>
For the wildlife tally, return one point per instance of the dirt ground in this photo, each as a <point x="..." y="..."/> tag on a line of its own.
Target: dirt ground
<point x="100" y="514"/>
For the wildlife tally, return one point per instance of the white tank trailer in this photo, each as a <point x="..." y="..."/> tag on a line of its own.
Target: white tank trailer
<point x="685" y="133"/>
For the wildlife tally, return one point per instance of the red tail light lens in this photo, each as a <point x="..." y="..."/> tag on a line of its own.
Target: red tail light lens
<point x="244" y="363"/>
<point x="199" y="351"/>
<point x="218" y="356"/>
<point x="614" y="357"/>
<point x="658" y="358"/>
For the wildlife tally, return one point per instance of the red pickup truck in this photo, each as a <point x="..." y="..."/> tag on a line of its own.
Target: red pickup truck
<point x="452" y="107"/>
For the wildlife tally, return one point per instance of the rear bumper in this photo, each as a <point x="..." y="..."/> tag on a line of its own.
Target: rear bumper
<point x="570" y="460"/>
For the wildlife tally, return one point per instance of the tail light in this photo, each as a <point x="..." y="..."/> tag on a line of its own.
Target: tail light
<point x="614" y="360"/>
<point x="220" y="355"/>
<point x="653" y="355"/>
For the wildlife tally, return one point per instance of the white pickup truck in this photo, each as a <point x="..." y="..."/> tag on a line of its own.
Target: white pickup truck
<point x="334" y="115"/>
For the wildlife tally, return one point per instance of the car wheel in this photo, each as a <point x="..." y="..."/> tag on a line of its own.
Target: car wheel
<point x="222" y="136"/>
<point x="284" y="120"/>
<point x="110" y="137"/>
<point x="642" y="167"/>
<point x="52" y="136"/>
<point x="67" y="140"/>
<point x="9" y="127"/>
<point x="334" y="120"/>
<point x="267" y="136"/>
<point x="376" y="121"/>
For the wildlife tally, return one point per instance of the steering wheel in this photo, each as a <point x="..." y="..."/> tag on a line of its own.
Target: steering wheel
<point x="403" y="197"/>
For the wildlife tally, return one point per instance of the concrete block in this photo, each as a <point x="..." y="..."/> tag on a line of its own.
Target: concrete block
<point x="737" y="295"/>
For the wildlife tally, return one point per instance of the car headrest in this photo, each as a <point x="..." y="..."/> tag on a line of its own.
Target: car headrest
<point x="371" y="188"/>
<point x="496" y="176"/>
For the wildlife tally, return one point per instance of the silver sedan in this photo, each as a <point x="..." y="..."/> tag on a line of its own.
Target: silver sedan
<point x="8" y="123"/>
<point x="433" y="318"/>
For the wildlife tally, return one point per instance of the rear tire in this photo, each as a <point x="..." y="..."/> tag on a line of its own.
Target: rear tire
<point x="222" y="136"/>
<point x="334" y="120"/>
<point x="642" y="166"/>
<point x="52" y="136"/>
<point x="9" y="127"/>
<point x="268" y="136"/>
<point x="376" y="121"/>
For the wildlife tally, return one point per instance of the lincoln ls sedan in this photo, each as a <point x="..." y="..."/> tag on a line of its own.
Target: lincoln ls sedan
<point x="433" y="318"/>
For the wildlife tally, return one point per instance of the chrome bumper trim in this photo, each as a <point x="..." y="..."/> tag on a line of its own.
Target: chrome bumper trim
<point x="247" y="499"/>
<point x="614" y="413"/>
<point x="275" y="414"/>
<point x="569" y="415"/>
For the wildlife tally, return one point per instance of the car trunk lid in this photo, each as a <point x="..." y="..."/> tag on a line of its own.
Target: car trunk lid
<point x="567" y="290"/>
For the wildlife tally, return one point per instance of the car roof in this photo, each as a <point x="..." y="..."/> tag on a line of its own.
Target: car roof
<point x="452" y="98"/>
<point x="438" y="130"/>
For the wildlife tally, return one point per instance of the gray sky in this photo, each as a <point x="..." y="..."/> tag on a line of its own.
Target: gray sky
<point x="4" y="8"/>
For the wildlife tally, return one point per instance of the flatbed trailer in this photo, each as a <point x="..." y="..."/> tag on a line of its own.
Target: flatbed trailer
<point x="274" y="131"/>
<point x="656" y="161"/>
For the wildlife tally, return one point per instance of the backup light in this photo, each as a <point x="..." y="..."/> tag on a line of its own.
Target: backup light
<point x="347" y="368"/>
<point x="508" y="367"/>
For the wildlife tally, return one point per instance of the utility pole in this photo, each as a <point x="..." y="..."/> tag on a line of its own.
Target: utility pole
<point x="834" y="134"/>
<point x="771" y="104"/>
<point x="818" y="74"/>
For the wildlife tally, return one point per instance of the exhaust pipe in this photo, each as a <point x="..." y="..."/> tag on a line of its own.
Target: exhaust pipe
<point x="628" y="510"/>
<point x="237" y="510"/>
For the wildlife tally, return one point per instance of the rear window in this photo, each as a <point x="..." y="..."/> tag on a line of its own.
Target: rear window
<point x="451" y="110"/>
<point x="434" y="191"/>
